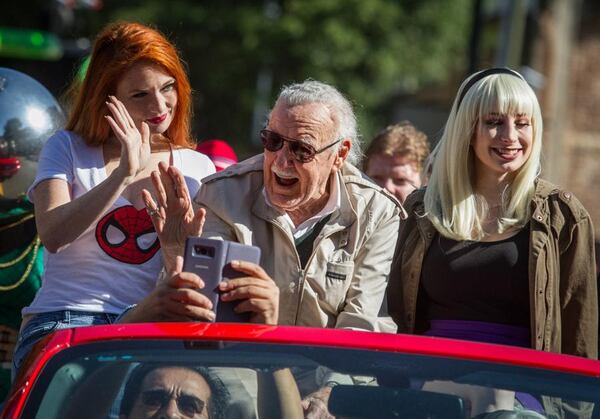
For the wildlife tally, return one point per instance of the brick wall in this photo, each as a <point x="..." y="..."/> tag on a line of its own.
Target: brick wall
<point x="583" y="133"/>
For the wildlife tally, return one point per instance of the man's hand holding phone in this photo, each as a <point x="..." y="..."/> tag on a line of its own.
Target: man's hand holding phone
<point x="256" y="292"/>
<point x="174" y="300"/>
<point x="186" y="296"/>
<point x="240" y="290"/>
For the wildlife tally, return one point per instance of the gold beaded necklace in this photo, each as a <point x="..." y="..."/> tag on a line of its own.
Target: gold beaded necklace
<point x="33" y="248"/>
<point x="16" y="223"/>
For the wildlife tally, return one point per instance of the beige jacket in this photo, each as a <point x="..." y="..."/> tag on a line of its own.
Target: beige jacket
<point x="562" y="278"/>
<point x="345" y="278"/>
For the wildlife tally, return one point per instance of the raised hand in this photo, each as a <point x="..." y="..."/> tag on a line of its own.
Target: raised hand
<point x="135" y="146"/>
<point x="173" y="216"/>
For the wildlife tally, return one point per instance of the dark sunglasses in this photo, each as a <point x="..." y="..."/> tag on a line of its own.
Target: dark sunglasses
<point x="301" y="151"/>
<point x="186" y="404"/>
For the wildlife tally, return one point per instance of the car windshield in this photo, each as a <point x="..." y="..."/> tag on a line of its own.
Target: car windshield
<point x="113" y="379"/>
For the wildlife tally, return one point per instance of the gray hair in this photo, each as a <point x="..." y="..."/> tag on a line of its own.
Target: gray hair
<point x="312" y="91"/>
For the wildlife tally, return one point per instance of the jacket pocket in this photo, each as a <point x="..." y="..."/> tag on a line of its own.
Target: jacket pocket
<point x="338" y="277"/>
<point x="339" y="271"/>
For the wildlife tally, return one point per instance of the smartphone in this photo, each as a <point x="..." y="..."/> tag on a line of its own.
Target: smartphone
<point x="211" y="260"/>
<point x="206" y="258"/>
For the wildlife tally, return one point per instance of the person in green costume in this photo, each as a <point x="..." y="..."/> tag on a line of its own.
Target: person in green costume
<point x="28" y="115"/>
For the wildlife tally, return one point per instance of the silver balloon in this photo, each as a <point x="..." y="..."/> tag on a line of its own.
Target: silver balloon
<point x="29" y="115"/>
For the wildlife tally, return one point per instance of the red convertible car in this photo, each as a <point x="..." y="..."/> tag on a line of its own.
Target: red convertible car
<point x="137" y="370"/>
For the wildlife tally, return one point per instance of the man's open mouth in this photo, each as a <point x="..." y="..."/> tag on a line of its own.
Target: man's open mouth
<point x="285" y="181"/>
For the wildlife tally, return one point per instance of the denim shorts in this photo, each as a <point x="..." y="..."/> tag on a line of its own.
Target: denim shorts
<point x="42" y="324"/>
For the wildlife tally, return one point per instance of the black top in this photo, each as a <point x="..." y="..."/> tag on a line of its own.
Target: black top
<point x="477" y="281"/>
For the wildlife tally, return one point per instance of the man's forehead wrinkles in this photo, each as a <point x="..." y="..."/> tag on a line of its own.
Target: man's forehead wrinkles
<point x="302" y="126"/>
<point x="305" y="122"/>
<point x="310" y="113"/>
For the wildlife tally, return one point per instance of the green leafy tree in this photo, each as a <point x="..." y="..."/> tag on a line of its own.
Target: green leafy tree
<point x="240" y="53"/>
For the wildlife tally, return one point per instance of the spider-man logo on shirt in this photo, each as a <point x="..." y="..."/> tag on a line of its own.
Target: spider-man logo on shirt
<point x="127" y="235"/>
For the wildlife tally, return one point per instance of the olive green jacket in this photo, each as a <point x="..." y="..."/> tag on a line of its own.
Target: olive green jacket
<point x="562" y="276"/>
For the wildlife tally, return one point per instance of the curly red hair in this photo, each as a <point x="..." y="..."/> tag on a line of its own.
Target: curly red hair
<point x="116" y="49"/>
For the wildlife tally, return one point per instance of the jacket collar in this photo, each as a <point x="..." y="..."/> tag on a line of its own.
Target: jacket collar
<point x="539" y="210"/>
<point x="262" y="210"/>
<point x="539" y="216"/>
<point x="415" y="206"/>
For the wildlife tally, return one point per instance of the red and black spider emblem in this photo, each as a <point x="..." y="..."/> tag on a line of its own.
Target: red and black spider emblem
<point x="127" y="235"/>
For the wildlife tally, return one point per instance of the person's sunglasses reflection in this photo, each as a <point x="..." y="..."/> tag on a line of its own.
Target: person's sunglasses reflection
<point x="187" y="404"/>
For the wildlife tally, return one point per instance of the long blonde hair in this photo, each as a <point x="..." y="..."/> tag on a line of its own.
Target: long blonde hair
<point x="450" y="200"/>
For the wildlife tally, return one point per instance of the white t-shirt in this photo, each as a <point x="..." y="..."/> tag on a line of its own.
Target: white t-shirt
<point x="116" y="261"/>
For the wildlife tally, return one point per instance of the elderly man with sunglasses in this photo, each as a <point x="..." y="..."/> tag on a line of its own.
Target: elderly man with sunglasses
<point x="327" y="234"/>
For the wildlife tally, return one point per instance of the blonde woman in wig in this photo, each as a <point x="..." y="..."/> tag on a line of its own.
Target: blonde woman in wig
<point x="490" y="251"/>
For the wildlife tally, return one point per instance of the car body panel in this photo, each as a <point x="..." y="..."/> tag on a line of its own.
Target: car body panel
<point x="283" y="335"/>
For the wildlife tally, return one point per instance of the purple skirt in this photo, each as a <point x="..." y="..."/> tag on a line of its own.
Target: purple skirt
<point x="497" y="333"/>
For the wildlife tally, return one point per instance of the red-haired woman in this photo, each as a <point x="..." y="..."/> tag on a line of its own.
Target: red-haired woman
<point x="131" y="112"/>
